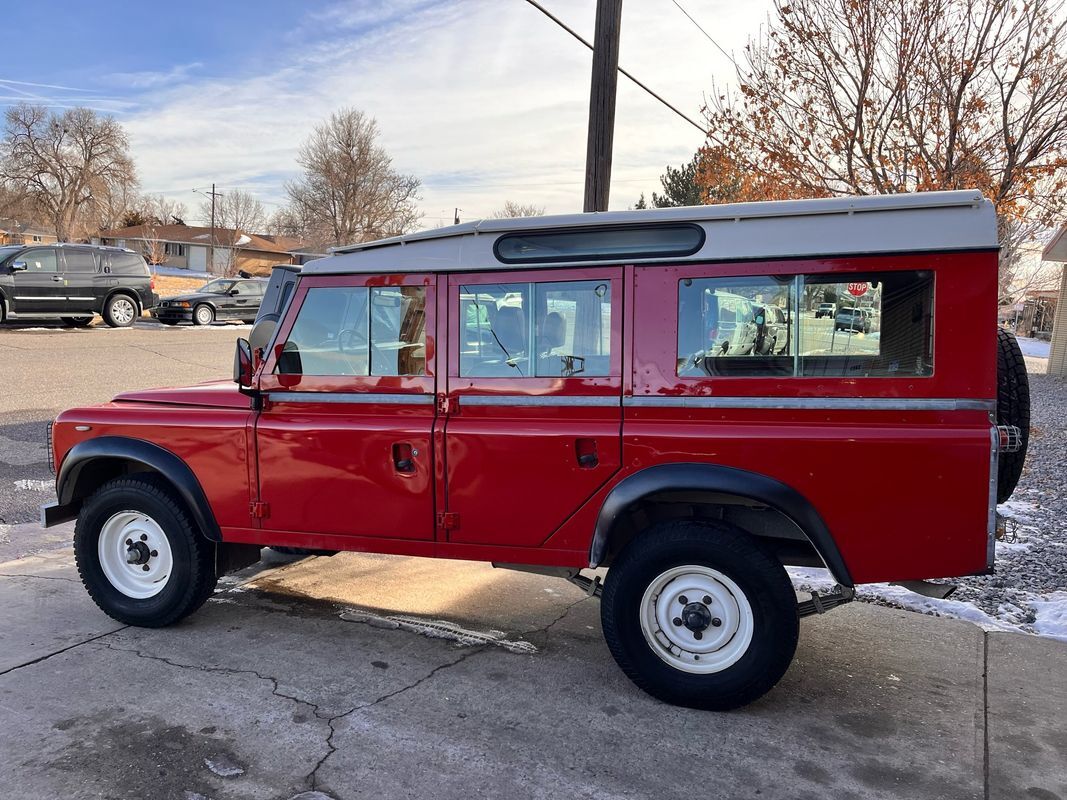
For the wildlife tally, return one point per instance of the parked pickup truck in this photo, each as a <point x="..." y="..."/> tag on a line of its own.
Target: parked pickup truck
<point x="554" y="394"/>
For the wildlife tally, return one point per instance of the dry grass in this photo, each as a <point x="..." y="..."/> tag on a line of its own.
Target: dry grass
<point x="170" y="285"/>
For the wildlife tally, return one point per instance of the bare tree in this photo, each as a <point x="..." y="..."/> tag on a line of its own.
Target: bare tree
<point x="64" y="161"/>
<point x="513" y="209"/>
<point x="163" y="210"/>
<point x="887" y="96"/>
<point x="349" y="191"/>
<point x="237" y="214"/>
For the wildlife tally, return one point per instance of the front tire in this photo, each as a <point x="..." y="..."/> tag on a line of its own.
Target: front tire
<point x="699" y="614"/>
<point x="140" y="557"/>
<point x="120" y="311"/>
<point x="203" y="315"/>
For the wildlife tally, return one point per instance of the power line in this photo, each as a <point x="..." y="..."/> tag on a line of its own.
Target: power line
<point x="629" y="75"/>
<point x="708" y="35"/>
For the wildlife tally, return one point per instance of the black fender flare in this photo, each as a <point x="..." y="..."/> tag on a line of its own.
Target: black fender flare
<point x="177" y="472"/>
<point x="720" y="480"/>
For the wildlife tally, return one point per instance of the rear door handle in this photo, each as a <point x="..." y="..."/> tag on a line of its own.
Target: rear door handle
<point x="57" y="278"/>
<point x="404" y="457"/>
<point x="585" y="453"/>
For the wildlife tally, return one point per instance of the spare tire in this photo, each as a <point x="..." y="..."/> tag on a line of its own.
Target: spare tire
<point x="1013" y="408"/>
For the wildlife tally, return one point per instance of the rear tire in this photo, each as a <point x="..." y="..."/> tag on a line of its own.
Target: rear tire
<point x="120" y="311"/>
<point x="168" y="322"/>
<point x="203" y="314"/>
<point x="144" y="516"/>
<point x="750" y="628"/>
<point x="77" y="322"/>
<point x="1013" y="408"/>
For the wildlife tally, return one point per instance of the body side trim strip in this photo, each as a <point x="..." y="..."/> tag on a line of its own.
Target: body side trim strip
<point x="537" y="400"/>
<point x="817" y="403"/>
<point x="350" y="397"/>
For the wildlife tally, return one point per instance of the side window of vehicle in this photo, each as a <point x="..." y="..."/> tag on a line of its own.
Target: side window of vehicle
<point x="559" y="329"/>
<point x="735" y="326"/>
<point x="79" y="261"/>
<point x="38" y="261"/>
<point x="128" y="264"/>
<point x="358" y="331"/>
<point x="246" y="288"/>
<point x="873" y="325"/>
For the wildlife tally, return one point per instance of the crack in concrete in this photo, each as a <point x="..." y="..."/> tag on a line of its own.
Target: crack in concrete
<point x="38" y="577"/>
<point x="547" y="629"/>
<point x="312" y="777"/>
<point x="169" y="358"/>
<point x="60" y="652"/>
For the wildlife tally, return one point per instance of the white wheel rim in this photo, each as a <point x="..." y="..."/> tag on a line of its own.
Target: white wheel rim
<point x="136" y="531"/>
<point x="203" y="315"/>
<point x="719" y="646"/>
<point x="122" y="310"/>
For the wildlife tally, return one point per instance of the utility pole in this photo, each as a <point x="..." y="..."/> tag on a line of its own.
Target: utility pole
<point x="455" y="217"/>
<point x="602" y="104"/>
<point x="211" y="244"/>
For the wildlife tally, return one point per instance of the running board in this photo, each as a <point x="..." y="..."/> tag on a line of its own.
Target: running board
<point x="821" y="603"/>
<point x="938" y="591"/>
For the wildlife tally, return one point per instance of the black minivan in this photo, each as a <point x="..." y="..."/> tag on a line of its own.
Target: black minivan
<point x="72" y="282"/>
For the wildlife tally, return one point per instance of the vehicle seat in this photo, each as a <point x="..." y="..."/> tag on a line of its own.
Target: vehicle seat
<point x="553" y="331"/>
<point x="510" y="329"/>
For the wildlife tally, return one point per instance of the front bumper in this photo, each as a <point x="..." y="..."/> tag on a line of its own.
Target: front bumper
<point x="172" y="314"/>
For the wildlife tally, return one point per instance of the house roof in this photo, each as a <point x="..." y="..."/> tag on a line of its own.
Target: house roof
<point x="928" y="221"/>
<point x="193" y="234"/>
<point x="1056" y="249"/>
<point x="9" y="225"/>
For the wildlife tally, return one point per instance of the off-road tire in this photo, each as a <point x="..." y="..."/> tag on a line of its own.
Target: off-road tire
<point x="192" y="579"/>
<point x="738" y="556"/>
<point x="76" y="322"/>
<point x="117" y="320"/>
<point x="203" y="318"/>
<point x="1013" y="408"/>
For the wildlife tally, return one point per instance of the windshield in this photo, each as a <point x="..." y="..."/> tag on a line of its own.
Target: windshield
<point x="9" y="250"/>
<point x="217" y="286"/>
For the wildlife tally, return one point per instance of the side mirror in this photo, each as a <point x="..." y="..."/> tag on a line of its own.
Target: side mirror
<point x="243" y="367"/>
<point x="19" y="266"/>
<point x="234" y="292"/>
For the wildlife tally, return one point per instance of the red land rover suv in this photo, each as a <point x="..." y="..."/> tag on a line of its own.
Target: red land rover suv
<point x="654" y="392"/>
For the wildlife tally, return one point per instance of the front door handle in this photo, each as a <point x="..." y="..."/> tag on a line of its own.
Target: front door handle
<point x="404" y="457"/>
<point x="585" y="453"/>
<point x="57" y="278"/>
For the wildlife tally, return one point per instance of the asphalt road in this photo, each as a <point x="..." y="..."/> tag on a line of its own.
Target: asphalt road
<point x="45" y="368"/>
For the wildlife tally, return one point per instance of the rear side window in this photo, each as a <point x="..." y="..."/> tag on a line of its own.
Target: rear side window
<point x="358" y="331"/>
<point x="127" y="264"/>
<point x="79" y="261"/>
<point x="560" y="329"/>
<point x="874" y="325"/>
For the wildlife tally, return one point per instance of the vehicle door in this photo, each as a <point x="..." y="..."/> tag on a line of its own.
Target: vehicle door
<point x="38" y="282"/>
<point x="243" y="300"/>
<point x="79" y="280"/>
<point x="533" y="400"/>
<point x="344" y="438"/>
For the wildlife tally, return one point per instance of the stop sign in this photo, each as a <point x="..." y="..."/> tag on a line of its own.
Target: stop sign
<point x="858" y="289"/>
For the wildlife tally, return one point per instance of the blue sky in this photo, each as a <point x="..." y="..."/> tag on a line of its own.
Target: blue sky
<point x="484" y="100"/>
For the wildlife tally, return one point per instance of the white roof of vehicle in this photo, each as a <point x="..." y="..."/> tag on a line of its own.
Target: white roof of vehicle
<point x="895" y="223"/>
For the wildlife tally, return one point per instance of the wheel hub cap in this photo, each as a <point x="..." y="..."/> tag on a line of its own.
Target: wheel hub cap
<point x="696" y="619"/>
<point x="135" y="554"/>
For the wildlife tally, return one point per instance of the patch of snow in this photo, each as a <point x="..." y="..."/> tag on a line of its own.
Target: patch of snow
<point x="224" y="766"/>
<point x="439" y="629"/>
<point x="34" y="486"/>
<point x="242" y="239"/>
<point x="1034" y="347"/>
<point x="1051" y="616"/>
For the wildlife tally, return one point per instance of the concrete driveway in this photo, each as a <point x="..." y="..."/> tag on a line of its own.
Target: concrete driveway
<point x="370" y="676"/>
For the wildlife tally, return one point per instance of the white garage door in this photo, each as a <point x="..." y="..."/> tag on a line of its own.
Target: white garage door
<point x="198" y="258"/>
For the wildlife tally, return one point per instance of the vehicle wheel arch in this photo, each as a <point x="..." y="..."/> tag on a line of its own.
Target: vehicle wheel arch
<point x="91" y="463"/>
<point x="123" y="290"/>
<point x="776" y="512"/>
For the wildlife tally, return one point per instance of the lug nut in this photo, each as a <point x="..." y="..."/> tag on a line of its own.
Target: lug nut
<point x="716" y="622"/>
<point x="677" y="620"/>
<point x="144" y="537"/>
<point x="129" y="542"/>
<point x="698" y="635"/>
<point x="683" y="600"/>
<point x="155" y="553"/>
<point x="145" y="568"/>
<point x="707" y="600"/>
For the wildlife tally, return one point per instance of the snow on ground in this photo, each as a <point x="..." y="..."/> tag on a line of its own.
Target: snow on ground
<point x="1028" y="592"/>
<point x="1034" y="347"/>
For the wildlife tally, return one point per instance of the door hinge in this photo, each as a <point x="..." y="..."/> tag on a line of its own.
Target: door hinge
<point x="258" y="509"/>
<point x="447" y="405"/>
<point x="448" y="520"/>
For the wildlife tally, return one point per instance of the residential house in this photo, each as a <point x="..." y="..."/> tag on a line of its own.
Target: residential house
<point x="1057" y="251"/>
<point x="190" y="247"/>
<point x="14" y="232"/>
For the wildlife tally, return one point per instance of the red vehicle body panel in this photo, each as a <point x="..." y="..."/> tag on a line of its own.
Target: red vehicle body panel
<point x="904" y="493"/>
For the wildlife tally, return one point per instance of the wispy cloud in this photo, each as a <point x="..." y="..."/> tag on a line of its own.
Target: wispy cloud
<point x="151" y="79"/>
<point x="484" y="101"/>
